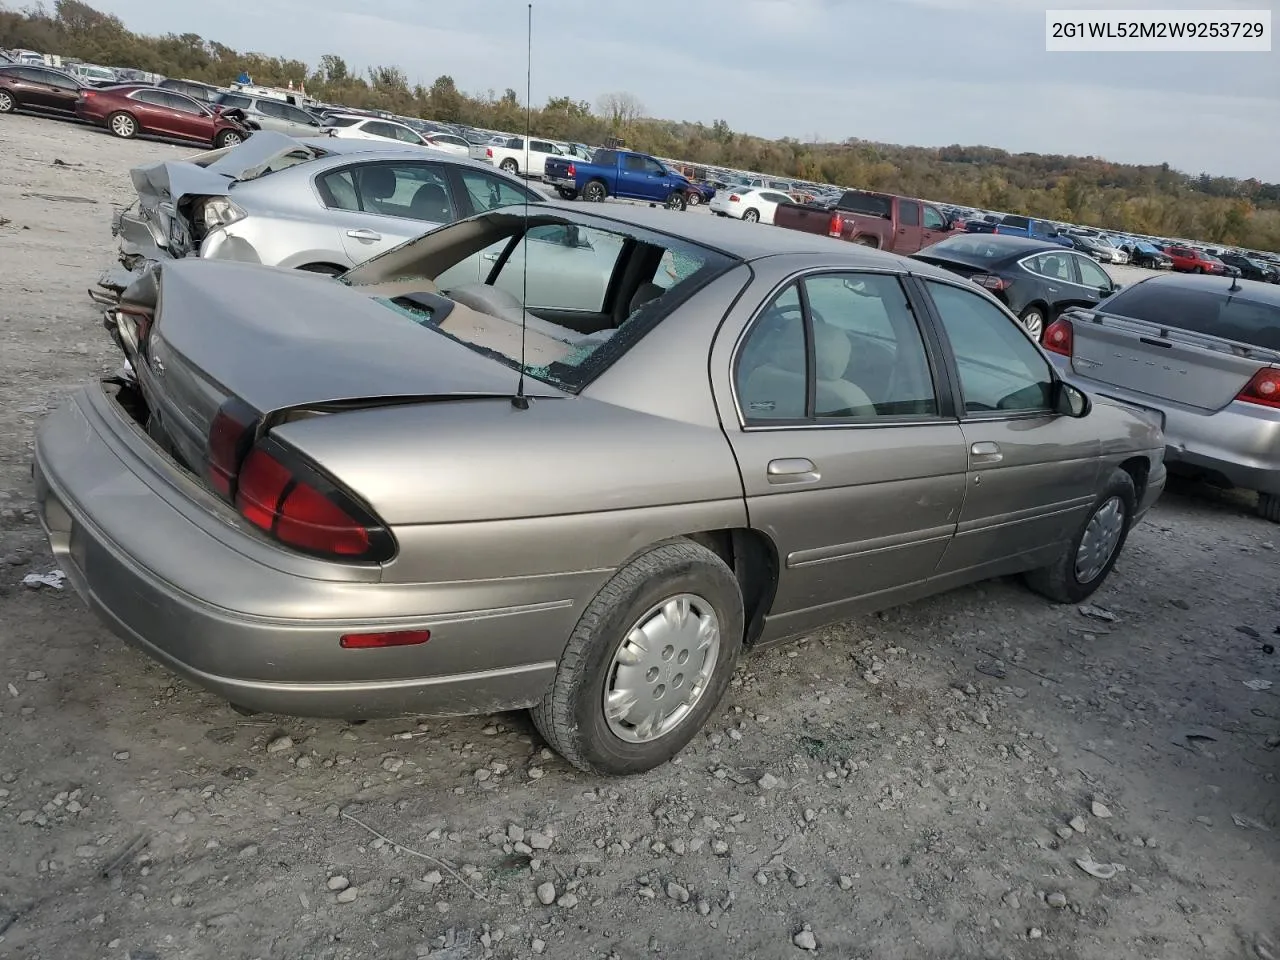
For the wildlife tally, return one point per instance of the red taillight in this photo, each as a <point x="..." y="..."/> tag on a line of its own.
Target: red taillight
<point x="836" y="226"/>
<point x="991" y="282"/>
<point x="230" y="436"/>
<point x="394" y="638"/>
<point x="1264" y="388"/>
<point x="734" y="198"/>
<point x="280" y="495"/>
<point x="1058" y="337"/>
<point x="87" y="94"/>
<point x="572" y="171"/>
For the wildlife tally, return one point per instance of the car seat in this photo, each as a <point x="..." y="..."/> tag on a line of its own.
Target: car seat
<point x="777" y="388"/>
<point x="377" y="183"/>
<point x="431" y="203"/>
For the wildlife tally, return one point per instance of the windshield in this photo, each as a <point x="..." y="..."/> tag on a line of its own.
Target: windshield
<point x="584" y="293"/>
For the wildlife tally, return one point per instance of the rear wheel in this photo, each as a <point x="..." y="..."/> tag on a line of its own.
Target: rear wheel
<point x="647" y="663"/>
<point x="694" y="198"/>
<point x="594" y="192"/>
<point x="228" y="138"/>
<point x="567" y="193"/>
<point x="751" y="215"/>
<point x="1033" y="319"/>
<point x="1086" y="560"/>
<point x="7" y="103"/>
<point x="1197" y="270"/>
<point x="122" y="125"/>
<point x="510" y="166"/>
<point x="1269" y="507"/>
<point x="866" y="241"/>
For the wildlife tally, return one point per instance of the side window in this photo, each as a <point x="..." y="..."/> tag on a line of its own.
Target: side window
<point x="272" y="108"/>
<point x="380" y="129"/>
<point x="516" y="143"/>
<point x="933" y="220"/>
<point x="62" y="80"/>
<point x="1092" y="275"/>
<point x="772" y="373"/>
<point x="31" y="75"/>
<point x="488" y="192"/>
<point x="155" y="97"/>
<point x="654" y="167"/>
<point x="182" y="104"/>
<point x="414" y="191"/>
<point x="869" y="357"/>
<point x="405" y="135"/>
<point x="1053" y="266"/>
<point x="1000" y="368"/>
<point x="908" y="213"/>
<point x="234" y="100"/>
<point x="633" y="163"/>
<point x="295" y="115"/>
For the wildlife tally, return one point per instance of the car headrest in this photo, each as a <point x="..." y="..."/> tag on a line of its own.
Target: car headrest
<point x="430" y="203"/>
<point x="644" y="294"/>
<point x="378" y="182"/>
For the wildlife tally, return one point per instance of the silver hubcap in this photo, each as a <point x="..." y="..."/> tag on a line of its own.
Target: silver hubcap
<point x="122" y="126"/>
<point x="751" y="216"/>
<point x="662" y="668"/>
<point x="1100" y="539"/>
<point x="231" y="139"/>
<point x="1034" y="324"/>
<point x="6" y="102"/>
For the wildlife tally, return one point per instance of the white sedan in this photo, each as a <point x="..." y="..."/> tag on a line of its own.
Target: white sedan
<point x="752" y="204"/>
<point x="353" y="127"/>
<point x="449" y="143"/>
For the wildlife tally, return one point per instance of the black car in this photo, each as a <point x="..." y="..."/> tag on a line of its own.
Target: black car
<point x="1035" y="279"/>
<point x="1091" y="246"/>
<point x="1249" y="268"/>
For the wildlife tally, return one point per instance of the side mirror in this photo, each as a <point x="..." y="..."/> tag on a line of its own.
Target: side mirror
<point x="1116" y="288"/>
<point x="1071" y="401"/>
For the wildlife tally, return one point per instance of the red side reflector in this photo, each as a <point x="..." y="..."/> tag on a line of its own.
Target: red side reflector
<point x="1058" y="338"/>
<point x="1263" y="389"/>
<point x="394" y="638"/>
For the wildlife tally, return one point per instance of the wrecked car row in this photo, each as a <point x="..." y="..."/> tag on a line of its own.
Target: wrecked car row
<point x="552" y="457"/>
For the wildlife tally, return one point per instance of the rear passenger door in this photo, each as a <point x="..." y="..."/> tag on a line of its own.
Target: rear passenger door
<point x="851" y="457"/>
<point x="933" y="226"/>
<point x="380" y="204"/>
<point x="1032" y="473"/>
<point x="907" y="239"/>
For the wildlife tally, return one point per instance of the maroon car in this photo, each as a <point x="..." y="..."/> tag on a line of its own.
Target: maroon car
<point x="130" y="109"/>
<point x="27" y="87"/>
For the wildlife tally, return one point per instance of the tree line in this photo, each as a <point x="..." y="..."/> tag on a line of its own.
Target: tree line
<point x="1155" y="200"/>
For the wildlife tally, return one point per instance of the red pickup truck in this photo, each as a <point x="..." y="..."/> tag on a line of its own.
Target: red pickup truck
<point x="881" y="220"/>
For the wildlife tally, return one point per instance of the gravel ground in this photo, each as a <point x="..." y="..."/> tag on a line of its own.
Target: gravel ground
<point x="931" y="782"/>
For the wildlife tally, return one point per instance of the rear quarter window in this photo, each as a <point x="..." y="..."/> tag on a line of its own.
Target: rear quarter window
<point x="1212" y="312"/>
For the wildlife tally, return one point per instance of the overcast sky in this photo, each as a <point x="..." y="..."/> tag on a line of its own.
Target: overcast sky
<point x="923" y="72"/>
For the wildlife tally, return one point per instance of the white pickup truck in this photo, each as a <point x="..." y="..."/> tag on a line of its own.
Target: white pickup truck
<point x="511" y="157"/>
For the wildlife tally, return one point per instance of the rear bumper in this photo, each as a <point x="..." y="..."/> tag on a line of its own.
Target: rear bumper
<point x="180" y="581"/>
<point x="1237" y="446"/>
<point x="567" y="183"/>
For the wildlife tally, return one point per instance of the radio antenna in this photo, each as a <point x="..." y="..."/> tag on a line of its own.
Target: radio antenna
<point x="520" y="401"/>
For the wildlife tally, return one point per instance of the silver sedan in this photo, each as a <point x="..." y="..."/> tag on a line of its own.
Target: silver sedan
<point x="322" y="204"/>
<point x="454" y="482"/>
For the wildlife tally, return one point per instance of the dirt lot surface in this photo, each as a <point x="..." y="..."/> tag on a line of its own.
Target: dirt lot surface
<point x="926" y="783"/>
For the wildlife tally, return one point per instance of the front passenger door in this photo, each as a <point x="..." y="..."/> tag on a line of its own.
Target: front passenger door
<point x="851" y="458"/>
<point x="1032" y="473"/>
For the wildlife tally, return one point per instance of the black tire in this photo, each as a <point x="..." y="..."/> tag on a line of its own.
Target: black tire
<point x="509" y="166"/>
<point x="693" y="198"/>
<point x="1269" y="507"/>
<point x="867" y="241"/>
<point x="571" y="715"/>
<point x="122" y="125"/>
<point x="328" y="269"/>
<point x="1033" y="319"/>
<point x="751" y="215"/>
<point x="227" y="138"/>
<point x="594" y="192"/>
<point x="1059" y="581"/>
<point x="567" y="193"/>
<point x="8" y="102"/>
<point x="677" y="200"/>
<point x="1197" y="270"/>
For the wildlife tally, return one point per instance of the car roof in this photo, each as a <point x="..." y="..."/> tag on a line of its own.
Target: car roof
<point x="339" y="147"/>
<point x="741" y="240"/>
<point x="1257" y="291"/>
<point x="1015" y="246"/>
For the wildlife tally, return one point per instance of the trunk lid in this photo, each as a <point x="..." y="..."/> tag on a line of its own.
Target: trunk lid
<point x="279" y="340"/>
<point x="1195" y="369"/>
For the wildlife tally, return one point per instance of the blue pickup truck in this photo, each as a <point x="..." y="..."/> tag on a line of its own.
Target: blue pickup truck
<point x="1013" y="226"/>
<point x="618" y="173"/>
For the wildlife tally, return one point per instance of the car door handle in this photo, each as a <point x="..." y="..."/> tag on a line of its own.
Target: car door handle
<point x="793" y="470"/>
<point x="1053" y="289"/>
<point x="985" y="451"/>
<point x="364" y="235"/>
<point x="491" y="256"/>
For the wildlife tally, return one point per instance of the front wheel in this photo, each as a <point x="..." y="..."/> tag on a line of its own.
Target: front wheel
<point x="228" y="138"/>
<point x="7" y="103"/>
<point x="1086" y="560"/>
<point x="1033" y="320"/>
<point x="751" y="216"/>
<point x="647" y="663"/>
<point x="510" y="166"/>
<point x="594" y="192"/>
<point x="676" y="201"/>
<point x="122" y="125"/>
